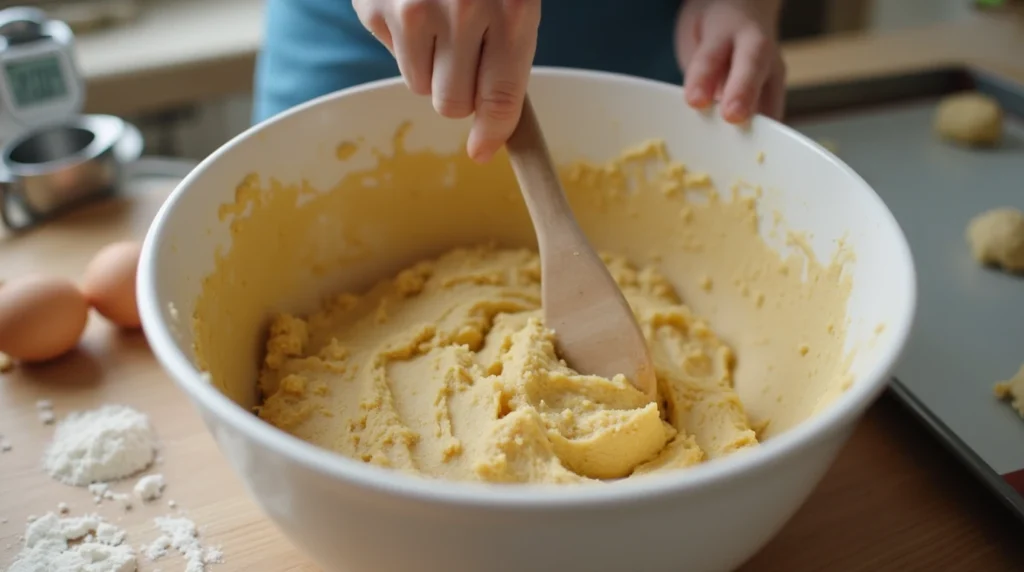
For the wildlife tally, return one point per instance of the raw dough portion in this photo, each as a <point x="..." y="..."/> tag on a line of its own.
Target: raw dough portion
<point x="1012" y="390"/>
<point x="971" y="118"/>
<point x="448" y="371"/>
<point x="996" y="237"/>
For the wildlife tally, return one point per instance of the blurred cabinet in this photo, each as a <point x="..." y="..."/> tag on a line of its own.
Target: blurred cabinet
<point x="808" y="18"/>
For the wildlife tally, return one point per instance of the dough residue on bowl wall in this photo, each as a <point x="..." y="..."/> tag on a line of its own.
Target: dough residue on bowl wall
<point x="445" y="368"/>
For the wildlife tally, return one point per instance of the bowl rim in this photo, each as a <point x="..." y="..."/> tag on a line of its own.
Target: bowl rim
<point x="843" y="412"/>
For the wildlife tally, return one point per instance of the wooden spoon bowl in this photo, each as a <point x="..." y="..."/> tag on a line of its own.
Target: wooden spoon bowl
<point x="596" y="331"/>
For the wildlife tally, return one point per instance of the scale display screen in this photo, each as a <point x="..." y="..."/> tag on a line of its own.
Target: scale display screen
<point x="35" y="81"/>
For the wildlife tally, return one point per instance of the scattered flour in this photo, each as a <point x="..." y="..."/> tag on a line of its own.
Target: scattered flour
<point x="99" y="489"/>
<point x="47" y="548"/>
<point x="44" y="408"/>
<point x="105" y="444"/>
<point x="89" y="449"/>
<point x="181" y="534"/>
<point x="150" y="487"/>
<point x="124" y="499"/>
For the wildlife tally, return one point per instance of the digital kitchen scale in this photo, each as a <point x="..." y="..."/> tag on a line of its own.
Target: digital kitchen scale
<point x="40" y="83"/>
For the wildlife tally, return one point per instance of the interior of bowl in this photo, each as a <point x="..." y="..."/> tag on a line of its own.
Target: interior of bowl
<point x="787" y="254"/>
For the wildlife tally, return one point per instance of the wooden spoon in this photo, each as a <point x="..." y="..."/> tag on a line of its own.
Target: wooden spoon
<point x="596" y="331"/>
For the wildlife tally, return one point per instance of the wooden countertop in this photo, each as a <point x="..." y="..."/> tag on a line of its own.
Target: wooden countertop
<point x="894" y="500"/>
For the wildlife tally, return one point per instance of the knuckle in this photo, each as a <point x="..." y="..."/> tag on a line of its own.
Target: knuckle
<point x="413" y="12"/>
<point x="417" y="85"/>
<point x="452" y="107"/>
<point x="759" y="43"/>
<point x="371" y="15"/>
<point x="462" y="6"/>
<point x="714" y="54"/>
<point x="521" y="14"/>
<point x="463" y="12"/>
<point x="500" y="101"/>
<point x="700" y="66"/>
<point x="362" y="7"/>
<point x="519" y="6"/>
<point x="417" y="81"/>
<point x="377" y="22"/>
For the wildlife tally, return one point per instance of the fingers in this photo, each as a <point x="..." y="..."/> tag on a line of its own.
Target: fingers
<point x="707" y="69"/>
<point x="504" y="74"/>
<point x="457" y="57"/>
<point x="687" y="37"/>
<point x="415" y="25"/>
<point x="470" y="56"/>
<point x="773" y="95"/>
<point x="373" y="18"/>
<point x="751" y="64"/>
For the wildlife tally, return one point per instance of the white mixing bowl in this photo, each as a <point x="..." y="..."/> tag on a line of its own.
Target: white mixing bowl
<point x="347" y="515"/>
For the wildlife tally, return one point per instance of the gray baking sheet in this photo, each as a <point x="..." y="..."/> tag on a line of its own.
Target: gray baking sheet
<point x="969" y="331"/>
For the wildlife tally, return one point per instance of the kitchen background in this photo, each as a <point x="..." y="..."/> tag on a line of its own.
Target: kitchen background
<point x="190" y="112"/>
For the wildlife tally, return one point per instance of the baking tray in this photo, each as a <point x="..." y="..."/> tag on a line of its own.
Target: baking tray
<point x="969" y="332"/>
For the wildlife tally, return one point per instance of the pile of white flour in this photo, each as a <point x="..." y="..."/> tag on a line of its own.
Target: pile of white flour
<point x="48" y="547"/>
<point x="105" y="444"/>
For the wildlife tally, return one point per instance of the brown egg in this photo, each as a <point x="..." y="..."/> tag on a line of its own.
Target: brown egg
<point x="109" y="283"/>
<point x="41" y="317"/>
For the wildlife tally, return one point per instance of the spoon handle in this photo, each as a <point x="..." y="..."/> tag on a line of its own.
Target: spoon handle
<point x="597" y="331"/>
<point x="538" y="179"/>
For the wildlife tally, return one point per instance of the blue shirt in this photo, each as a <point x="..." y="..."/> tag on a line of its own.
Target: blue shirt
<point x="314" y="47"/>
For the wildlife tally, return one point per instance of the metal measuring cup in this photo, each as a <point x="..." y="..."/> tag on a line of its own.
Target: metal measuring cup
<point x="53" y="169"/>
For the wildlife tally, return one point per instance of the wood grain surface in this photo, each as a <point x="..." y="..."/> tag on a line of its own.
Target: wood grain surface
<point x="894" y="500"/>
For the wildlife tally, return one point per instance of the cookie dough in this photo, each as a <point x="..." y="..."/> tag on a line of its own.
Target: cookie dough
<point x="996" y="238"/>
<point x="448" y="371"/>
<point x="972" y="119"/>
<point x="1012" y="390"/>
<point x="445" y="369"/>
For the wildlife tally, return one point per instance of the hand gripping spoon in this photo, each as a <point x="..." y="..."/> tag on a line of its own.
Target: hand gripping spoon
<point x="596" y="331"/>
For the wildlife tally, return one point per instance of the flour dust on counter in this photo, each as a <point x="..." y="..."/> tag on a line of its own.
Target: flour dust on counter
<point x="88" y="543"/>
<point x="74" y="544"/>
<point x="92" y="451"/>
<point x="182" y="535"/>
<point x="44" y="410"/>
